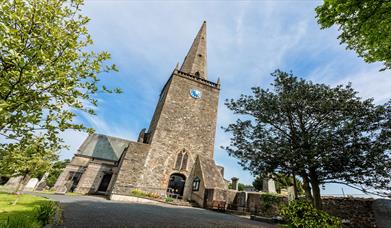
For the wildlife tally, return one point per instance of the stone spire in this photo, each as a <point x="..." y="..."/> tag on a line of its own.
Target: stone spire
<point x="195" y="60"/>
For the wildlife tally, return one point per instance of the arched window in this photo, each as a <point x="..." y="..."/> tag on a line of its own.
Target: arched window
<point x="181" y="160"/>
<point x="196" y="184"/>
<point x="184" y="161"/>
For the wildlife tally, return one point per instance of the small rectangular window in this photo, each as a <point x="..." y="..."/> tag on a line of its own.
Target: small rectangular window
<point x="196" y="184"/>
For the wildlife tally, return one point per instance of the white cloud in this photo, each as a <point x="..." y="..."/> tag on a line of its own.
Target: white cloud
<point x="371" y="84"/>
<point x="107" y="127"/>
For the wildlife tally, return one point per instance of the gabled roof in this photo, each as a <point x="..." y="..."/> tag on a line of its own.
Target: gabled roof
<point x="211" y="174"/>
<point x="103" y="147"/>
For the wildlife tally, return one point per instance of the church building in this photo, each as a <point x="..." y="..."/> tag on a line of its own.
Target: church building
<point x="174" y="155"/>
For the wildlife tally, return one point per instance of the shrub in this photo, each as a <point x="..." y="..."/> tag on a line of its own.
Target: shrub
<point x="153" y="195"/>
<point x="45" y="212"/>
<point x="138" y="193"/>
<point x="268" y="200"/>
<point x="270" y="204"/>
<point x="168" y="199"/>
<point x="301" y="213"/>
<point x="21" y="221"/>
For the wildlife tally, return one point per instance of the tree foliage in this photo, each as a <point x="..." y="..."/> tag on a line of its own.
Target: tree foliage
<point x="320" y="133"/>
<point x="241" y="186"/>
<point x="28" y="158"/>
<point x="47" y="71"/>
<point x="55" y="172"/>
<point x="365" y="26"/>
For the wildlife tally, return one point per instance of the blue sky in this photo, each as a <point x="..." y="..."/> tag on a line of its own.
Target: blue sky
<point x="246" y="42"/>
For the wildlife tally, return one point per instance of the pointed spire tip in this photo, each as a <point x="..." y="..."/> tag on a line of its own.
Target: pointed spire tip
<point x="195" y="60"/>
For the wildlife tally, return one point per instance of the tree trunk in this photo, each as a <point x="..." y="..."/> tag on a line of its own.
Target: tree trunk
<point x="315" y="189"/>
<point x="21" y="183"/>
<point x="294" y="185"/>
<point x="307" y="188"/>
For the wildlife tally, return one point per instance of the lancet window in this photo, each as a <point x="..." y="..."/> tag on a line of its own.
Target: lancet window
<point x="181" y="161"/>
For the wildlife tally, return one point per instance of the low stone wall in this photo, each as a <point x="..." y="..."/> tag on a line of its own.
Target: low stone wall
<point x="356" y="211"/>
<point x="382" y="210"/>
<point x="253" y="202"/>
<point x="214" y="194"/>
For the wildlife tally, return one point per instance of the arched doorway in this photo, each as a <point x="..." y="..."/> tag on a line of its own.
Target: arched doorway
<point x="176" y="184"/>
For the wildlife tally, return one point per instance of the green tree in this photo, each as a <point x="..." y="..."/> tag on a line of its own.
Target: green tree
<point x="365" y="26"/>
<point x="55" y="172"/>
<point x="320" y="133"/>
<point x="258" y="183"/>
<point x="28" y="159"/>
<point x="241" y="186"/>
<point x="47" y="71"/>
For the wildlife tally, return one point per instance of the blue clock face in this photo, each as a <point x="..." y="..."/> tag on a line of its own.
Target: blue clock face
<point x="195" y="93"/>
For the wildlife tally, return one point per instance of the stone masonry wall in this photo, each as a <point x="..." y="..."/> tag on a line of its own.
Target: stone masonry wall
<point x="183" y="123"/>
<point x="358" y="211"/>
<point x="132" y="166"/>
<point x="91" y="178"/>
<point x="77" y="164"/>
<point x="196" y="196"/>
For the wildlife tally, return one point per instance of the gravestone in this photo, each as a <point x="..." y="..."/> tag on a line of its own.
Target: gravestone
<point x="269" y="186"/>
<point x="30" y="186"/>
<point x="14" y="181"/>
<point x="42" y="183"/>
<point x="291" y="193"/>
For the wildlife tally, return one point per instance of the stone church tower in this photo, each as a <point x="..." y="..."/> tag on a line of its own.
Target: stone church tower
<point x="175" y="154"/>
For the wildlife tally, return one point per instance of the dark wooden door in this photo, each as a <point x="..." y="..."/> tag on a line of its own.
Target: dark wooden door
<point x="176" y="184"/>
<point x="104" y="184"/>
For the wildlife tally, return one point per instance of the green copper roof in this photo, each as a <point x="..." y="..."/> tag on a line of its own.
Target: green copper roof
<point x="103" y="147"/>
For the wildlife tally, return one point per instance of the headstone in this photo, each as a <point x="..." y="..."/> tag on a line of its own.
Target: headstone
<point x="31" y="184"/>
<point x="42" y="183"/>
<point x="291" y="193"/>
<point x="269" y="186"/>
<point x="235" y="183"/>
<point x="14" y="181"/>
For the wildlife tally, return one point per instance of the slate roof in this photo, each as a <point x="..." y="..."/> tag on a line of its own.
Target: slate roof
<point x="103" y="147"/>
<point x="211" y="174"/>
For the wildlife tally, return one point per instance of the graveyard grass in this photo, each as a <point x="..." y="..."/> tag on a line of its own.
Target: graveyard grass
<point x="24" y="206"/>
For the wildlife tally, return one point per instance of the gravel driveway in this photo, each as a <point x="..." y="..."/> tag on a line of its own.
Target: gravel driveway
<point x="91" y="211"/>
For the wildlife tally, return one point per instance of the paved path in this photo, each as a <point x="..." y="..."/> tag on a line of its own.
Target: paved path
<point x="90" y="211"/>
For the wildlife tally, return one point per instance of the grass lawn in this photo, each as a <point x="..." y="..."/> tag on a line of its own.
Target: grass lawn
<point x="24" y="207"/>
